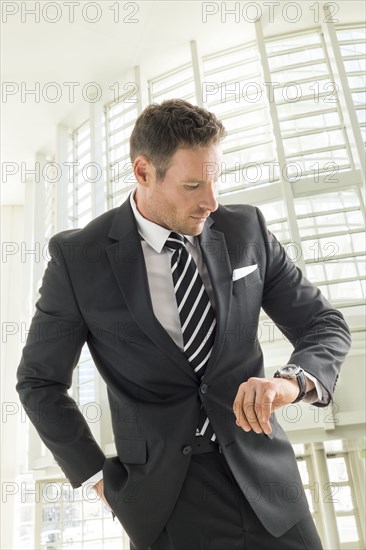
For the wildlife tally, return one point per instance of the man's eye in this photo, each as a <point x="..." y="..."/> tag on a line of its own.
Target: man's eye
<point x="191" y="187"/>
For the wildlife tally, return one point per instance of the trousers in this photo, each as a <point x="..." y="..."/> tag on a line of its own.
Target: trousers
<point x="212" y="513"/>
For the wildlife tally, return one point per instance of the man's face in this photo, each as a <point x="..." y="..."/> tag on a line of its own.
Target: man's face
<point x="186" y="196"/>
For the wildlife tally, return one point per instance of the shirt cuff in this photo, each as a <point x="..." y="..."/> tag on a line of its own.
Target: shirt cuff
<point x="93" y="479"/>
<point x="317" y="394"/>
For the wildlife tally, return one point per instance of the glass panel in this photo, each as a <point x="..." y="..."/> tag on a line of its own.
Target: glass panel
<point x="119" y="164"/>
<point x="292" y="58"/>
<point x="93" y="545"/>
<point x="239" y="100"/>
<point x="112" y="528"/>
<point x="337" y="469"/>
<point x="343" y="500"/>
<point x="309" y="122"/>
<point x="219" y="59"/>
<point x="345" y="292"/>
<point x="329" y="247"/>
<point x="112" y="544"/>
<point x="295" y="74"/>
<point x="353" y="49"/>
<point x="326" y="201"/>
<point x="86" y="372"/>
<point x="303" y="468"/>
<point x="92" y="509"/>
<point x="84" y="522"/>
<point x="86" y="393"/>
<point x="305" y="92"/>
<point x="72" y="532"/>
<point x="352" y="34"/>
<point x="345" y="268"/>
<point x="51" y="536"/>
<point x="312" y="141"/>
<point x="301" y="40"/>
<point x="352" y="65"/>
<point x="327" y="223"/>
<point x="310" y="500"/>
<point x="92" y="529"/>
<point x="161" y="83"/>
<point x="350" y="51"/>
<point x="347" y="529"/>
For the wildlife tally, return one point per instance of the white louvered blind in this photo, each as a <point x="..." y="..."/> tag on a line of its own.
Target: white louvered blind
<point x="352" y="43"/>
<point x="306" y="99"/>
<point x="120" y="118"/>
<point x="178" y="82"/>
<point x="233" y="90"/>
<point x="331" y="227"/>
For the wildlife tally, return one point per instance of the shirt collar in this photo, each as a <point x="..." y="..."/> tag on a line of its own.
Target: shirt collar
<point x="155" y="235"/>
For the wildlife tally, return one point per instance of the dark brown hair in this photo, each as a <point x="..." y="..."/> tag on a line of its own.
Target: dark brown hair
<point x="162" y="129"/>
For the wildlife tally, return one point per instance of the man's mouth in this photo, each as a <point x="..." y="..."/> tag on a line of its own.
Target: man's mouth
<point x="200" y="218"/>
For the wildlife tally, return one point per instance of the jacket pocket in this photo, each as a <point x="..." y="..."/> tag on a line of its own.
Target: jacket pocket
<point x="240" y="285"/>
<point x="131" y="451"/>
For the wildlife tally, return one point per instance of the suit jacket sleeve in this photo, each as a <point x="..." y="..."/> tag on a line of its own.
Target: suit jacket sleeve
<point x="56" y="336"/>
<point x="318" y="332"/>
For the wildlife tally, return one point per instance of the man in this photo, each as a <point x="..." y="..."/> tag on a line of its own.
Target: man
<point x="168" y="309"/>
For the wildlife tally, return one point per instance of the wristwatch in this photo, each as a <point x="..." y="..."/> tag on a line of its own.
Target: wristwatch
<point x="294" y="372"/>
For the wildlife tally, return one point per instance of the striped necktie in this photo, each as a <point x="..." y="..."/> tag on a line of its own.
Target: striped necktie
<point x="196" y="316"/>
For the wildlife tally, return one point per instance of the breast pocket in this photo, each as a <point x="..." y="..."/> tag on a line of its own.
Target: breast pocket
<point x="242" y="284"/>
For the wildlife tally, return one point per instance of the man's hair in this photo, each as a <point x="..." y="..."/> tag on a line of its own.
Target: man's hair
<point x="161" y="130"/>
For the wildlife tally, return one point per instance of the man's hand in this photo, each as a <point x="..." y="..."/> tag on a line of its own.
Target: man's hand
<point x="259" y="397"/>
<point x="99" y="489"/>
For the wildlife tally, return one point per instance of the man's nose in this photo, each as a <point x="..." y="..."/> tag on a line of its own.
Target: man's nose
<point x="208" y="200"/>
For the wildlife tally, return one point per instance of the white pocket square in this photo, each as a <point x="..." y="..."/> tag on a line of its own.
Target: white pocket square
<point x="243" y="271"/>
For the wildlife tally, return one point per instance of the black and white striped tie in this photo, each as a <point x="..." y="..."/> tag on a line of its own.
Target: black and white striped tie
<point x="196" y="316"/>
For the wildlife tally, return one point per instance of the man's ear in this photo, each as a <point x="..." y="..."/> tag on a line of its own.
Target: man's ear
<point x="143" y="170"/>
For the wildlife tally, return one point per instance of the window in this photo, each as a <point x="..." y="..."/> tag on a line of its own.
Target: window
<point x="26" y="499"/>
<point x="233" y="90"/>
<point x="307" y="104"/>
<point x="352" y="42"/>
<point x="335" y="488"/>
<point x="277" y="223"/>
<point x="80" y="187"/>
<point x="308" y="480"/>
<point x="75" y="518"/>
<point x="85" y="378"/>
<point x="348" y="521"/>
<point x="50" y="208"/>
<point x="120" y="118"/>
<point x="332" y="234"/>
<point x="176" y="83"/>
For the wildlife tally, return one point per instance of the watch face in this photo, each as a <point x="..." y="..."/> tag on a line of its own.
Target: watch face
<point x="291" y="370"/>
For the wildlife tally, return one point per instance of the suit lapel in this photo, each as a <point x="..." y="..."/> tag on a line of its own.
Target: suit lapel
<point x="127" y="261"/>
<point x="216" y="258"/>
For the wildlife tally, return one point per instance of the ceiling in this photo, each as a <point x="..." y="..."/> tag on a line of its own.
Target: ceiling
<point x="154" y="35"/>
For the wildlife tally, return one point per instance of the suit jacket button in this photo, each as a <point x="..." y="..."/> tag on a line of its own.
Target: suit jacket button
<point x="187" y="450"/>
<point x="204" y="388"/>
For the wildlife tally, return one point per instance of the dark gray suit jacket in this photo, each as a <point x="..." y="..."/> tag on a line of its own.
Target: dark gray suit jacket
<point x="95" y="289"/>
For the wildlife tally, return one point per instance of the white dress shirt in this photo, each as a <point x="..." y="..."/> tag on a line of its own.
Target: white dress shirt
<point x="157" y="260"/>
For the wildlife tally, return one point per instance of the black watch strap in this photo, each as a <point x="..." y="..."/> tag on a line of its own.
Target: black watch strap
<point x="301" y="380"/>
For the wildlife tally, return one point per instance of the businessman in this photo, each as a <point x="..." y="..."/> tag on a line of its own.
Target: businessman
<point x="169" y="306"/>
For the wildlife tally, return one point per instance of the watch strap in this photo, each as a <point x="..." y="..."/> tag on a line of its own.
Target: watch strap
<point x="301" y="380"/>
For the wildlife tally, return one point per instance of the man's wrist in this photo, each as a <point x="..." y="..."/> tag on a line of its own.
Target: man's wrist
<point x="296" y="374"/>
<point x="310" y="386"/>
<point x="91" y="481"/>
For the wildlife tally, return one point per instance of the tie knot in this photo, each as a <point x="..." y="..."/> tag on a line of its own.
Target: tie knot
<point x="175" y="241"/>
